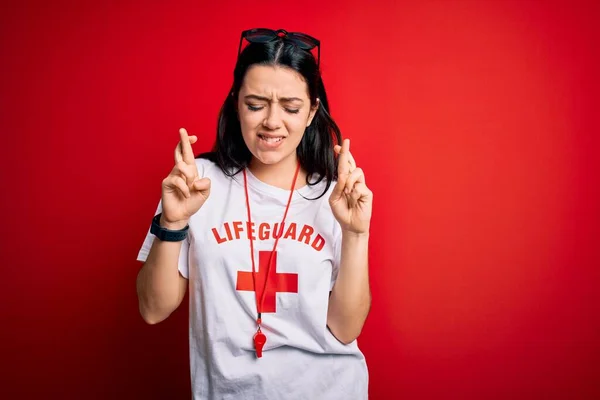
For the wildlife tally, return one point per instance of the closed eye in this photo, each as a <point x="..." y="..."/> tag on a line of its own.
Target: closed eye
<point x="258" y="108"/>
<point x="254" y="108"/>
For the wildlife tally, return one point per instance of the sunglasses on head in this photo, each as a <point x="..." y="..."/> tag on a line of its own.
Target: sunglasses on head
<point x="264" y="35"/>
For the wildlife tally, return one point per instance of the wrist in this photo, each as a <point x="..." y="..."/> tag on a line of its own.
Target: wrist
<point x="173" y="226"/>
<point x="355" y="235"/>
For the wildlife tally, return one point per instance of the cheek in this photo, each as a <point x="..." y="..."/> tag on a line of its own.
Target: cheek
<point x="297" y="124"/>
<point x="250" y="119"/>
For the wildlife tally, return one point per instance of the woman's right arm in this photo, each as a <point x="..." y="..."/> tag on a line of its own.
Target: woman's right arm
<point x="160" y="286"/>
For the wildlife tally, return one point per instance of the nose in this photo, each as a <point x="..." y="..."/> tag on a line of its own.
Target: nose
<point x="273" y="119"/>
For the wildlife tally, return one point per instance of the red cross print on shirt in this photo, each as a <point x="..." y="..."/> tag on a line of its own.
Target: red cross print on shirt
<point x="276" y="282"/>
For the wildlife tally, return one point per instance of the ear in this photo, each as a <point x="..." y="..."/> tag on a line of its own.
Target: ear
<point x="313" y="112"/>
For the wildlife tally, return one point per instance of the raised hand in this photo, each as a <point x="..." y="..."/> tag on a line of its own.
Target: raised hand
<point x="351" y="200"/>
<point x="183" y="192"/>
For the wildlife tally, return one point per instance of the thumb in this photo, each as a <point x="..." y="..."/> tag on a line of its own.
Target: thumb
<point x="202" y="185"/>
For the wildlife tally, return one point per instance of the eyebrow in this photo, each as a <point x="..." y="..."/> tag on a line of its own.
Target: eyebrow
<point x="262" y="98"/>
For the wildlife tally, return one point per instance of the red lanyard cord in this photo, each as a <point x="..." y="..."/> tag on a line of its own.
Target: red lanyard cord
<point x="259" y="303"/>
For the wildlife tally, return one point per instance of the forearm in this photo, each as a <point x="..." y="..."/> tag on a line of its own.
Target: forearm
<point x="350" y="299"/>
<point x="160" y="287"/>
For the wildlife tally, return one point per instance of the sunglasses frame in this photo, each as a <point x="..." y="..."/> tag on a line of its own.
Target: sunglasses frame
<point x="302" y="40"/>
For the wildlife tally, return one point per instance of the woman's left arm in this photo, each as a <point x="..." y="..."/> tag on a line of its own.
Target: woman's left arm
<point x="351" y="204"/>
<point x="350" y="299"/>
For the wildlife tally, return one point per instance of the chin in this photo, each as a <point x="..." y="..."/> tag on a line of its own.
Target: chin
<point x="269" y="159"/>
<point x="274" y="156"/>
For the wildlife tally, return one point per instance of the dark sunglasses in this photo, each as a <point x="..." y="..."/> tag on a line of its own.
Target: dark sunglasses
<point x="264" y="35"/>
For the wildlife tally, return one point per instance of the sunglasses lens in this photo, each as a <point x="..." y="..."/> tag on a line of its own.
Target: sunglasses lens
<point x="303" y="41"/>
<point x="260" y="35"/>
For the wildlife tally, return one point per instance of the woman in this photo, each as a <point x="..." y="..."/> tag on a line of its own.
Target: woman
<point x="270" y="232"/>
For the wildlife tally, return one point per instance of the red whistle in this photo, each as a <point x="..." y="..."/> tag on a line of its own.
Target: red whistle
<point x="259" y="341"/>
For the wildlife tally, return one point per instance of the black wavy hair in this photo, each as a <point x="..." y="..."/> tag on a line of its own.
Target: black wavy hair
<point x="315" y="151"/>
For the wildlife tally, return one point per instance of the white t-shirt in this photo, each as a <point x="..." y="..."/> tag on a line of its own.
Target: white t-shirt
<point x="301" y="358"/>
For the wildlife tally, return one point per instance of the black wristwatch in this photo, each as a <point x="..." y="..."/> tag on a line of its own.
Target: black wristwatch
<point x="167" y="235"/>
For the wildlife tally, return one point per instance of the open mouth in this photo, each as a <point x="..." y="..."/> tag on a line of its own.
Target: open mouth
<point x="270" y="139"/>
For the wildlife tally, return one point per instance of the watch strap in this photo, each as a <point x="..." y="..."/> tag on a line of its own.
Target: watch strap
<point x="167" y="235"/>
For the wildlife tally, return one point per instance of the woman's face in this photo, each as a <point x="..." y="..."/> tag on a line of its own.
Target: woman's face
<point x="274" y="110"/>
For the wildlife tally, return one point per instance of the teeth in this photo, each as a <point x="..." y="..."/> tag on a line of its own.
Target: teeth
<point x="271" y="139"/>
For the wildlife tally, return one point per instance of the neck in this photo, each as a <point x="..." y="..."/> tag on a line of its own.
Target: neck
<point x="279" y="175"/>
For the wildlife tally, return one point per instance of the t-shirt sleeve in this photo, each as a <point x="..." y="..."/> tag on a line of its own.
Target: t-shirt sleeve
<point x="183" y="265"/>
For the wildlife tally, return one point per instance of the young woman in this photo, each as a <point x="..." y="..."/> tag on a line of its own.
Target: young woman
<point x="270" y="233"/>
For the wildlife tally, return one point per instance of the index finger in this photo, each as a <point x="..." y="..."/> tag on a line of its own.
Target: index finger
<point x="351" y="160"/>
<point x="343" y="161"/>
<point x="186" y="147"/>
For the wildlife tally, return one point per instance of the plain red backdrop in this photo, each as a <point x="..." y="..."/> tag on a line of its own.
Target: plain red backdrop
<point x="476" y="124"/>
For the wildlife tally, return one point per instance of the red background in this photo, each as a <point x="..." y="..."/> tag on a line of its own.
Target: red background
<point x="476" y="124"/>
